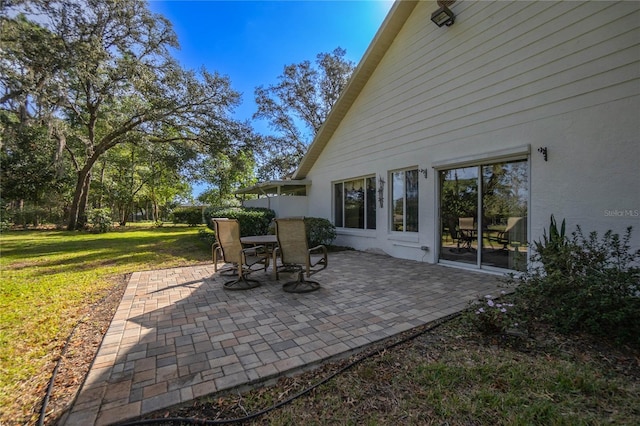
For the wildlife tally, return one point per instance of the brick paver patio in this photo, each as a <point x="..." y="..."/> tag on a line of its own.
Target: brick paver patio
<point x="178" y="334"/>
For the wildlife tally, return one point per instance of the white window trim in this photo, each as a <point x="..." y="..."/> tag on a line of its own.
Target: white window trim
<point x="401" y="234"/>
<point x="342" y="229"/>
<point x="517" y="153"/>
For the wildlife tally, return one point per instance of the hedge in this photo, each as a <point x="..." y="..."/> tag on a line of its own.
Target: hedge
<point x="253" y="220"/>
<point x="257" y="221"/>
<point x="189" y="215"/>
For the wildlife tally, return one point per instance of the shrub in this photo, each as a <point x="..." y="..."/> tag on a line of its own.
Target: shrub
<point x="100" y="220"/>
<point x="586" y="284"/>
<point x="208" y="237"/>
<point x="192" y="216"/>
<point x="493" y="316"/>
<point x="319" y="231"/>
<point x="4" y="219"/>
<point x="253" y="220"/>
<point x="552" y="250"/>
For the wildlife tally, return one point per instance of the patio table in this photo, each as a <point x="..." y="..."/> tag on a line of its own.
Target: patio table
<point x="467" y="236"/>
<point x="259" y="240"/>
<point x="268" y="241"/>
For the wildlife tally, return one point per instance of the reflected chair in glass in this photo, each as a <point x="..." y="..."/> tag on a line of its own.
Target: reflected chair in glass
<point x="513" y="235"/>
<point x="466" y="232"/>
<point x="296" y="256"/>
<point x="243" y="260"/>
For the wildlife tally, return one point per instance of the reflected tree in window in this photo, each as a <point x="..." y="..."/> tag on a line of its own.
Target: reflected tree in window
<point x="404" y="198"/>
<point x="354" y="203"/>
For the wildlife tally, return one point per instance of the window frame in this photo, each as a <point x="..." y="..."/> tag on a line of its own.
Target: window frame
<point x="392" y="199"/>
<point x="368" y="203"/>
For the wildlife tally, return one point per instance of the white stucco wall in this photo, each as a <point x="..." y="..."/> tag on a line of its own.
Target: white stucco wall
<point x="284" y="206"/>
<point x="507" y="76"/>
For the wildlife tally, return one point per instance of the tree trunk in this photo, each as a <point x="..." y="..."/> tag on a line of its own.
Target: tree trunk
<point x="102" y="172"/>
<point x="23" y="218"/>
<point x="79" y="199"/>
<point x="84" y="200"/>
<point x="126" y="211"/>
<point x="36" y="221"/>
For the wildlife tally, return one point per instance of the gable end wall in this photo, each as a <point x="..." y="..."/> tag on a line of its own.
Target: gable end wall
<point x="507" y="76"/>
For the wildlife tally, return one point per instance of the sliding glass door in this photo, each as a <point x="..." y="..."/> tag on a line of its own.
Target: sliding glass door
<point x="458" y="213"/>
<point x="486" y="227"/>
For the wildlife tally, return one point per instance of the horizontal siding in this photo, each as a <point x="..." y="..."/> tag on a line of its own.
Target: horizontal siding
<point x="502" y="64"/>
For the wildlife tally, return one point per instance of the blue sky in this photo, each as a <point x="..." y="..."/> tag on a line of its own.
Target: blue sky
<point x="252" y="41"/>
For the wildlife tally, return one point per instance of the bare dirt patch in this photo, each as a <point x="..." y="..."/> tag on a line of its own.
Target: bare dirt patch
<point x="81" y="349"/>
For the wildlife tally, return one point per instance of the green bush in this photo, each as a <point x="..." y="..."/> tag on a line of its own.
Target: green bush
<point x="319" y="231"/>
<point x="585" y="284"/>
<point x="208" y="237"/>
<point x="192" y="216"/>
<point x="553" y="250"/>
<point x="253" y="220"/>
<point x="100" y="220"/>
<point x="495" y="316"/>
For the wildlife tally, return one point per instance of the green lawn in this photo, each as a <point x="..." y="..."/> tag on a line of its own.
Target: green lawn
<point x="48" y="280"/>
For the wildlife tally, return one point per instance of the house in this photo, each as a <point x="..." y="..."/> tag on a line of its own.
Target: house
<point x="455" y="144"/>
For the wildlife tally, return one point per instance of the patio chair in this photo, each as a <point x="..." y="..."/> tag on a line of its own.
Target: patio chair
<point x="514" y="234"/>
<point x="466" y="232"/>
<point x="296" y="256"/>
<point x="243" y="260"/>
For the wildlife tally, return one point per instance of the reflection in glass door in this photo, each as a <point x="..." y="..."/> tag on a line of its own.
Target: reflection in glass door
<point x="505" y="197"/>
<point x="490" y="229"/>
<point x="458" y="213"/>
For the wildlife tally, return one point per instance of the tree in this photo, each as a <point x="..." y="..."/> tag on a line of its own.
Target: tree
<point x="32" y="165"/>
<point x="28" y="175"/>
<point x="140" y="173"/>
<point x="297" y="106"/>
<point x="225" y="173"/>
<point x="115" y="81"/>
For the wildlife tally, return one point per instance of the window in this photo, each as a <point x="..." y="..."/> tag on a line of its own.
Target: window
<point x="404" y="199"/>
<point x="355" y="203"/>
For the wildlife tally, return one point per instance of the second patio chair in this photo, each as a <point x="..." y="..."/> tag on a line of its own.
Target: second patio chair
<point x="244" y="260"/>
<point x="295" y="255"/>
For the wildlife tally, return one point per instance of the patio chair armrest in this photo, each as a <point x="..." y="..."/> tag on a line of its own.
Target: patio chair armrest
<point x="254" y="255"/>
<point x="254" y="249"/>
<point x="215" y="249"/>
<point x="274" y="254"/>
<point x="320" y="247"/>
<point x="324" y="260"/>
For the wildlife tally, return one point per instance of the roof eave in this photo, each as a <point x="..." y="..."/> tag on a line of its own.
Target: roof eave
<point x="263" y="187"/>
<point x="388" y="31"/>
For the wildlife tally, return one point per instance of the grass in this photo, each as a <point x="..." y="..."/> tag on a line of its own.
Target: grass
<point x="49" y="279"/>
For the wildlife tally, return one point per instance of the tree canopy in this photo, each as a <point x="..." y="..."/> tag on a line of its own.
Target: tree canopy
<point x="99" y="74"/>
<point x="297" y="106"/>
<point x="95" y="112"/>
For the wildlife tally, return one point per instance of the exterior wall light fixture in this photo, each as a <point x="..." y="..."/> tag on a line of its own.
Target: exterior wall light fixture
<point x="443" y="16"/>
<point x="381" y="191"/>
<point x="543" y="150"/>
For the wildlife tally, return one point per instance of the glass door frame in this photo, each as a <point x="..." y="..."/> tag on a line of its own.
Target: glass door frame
<point x="478" y="163"/>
